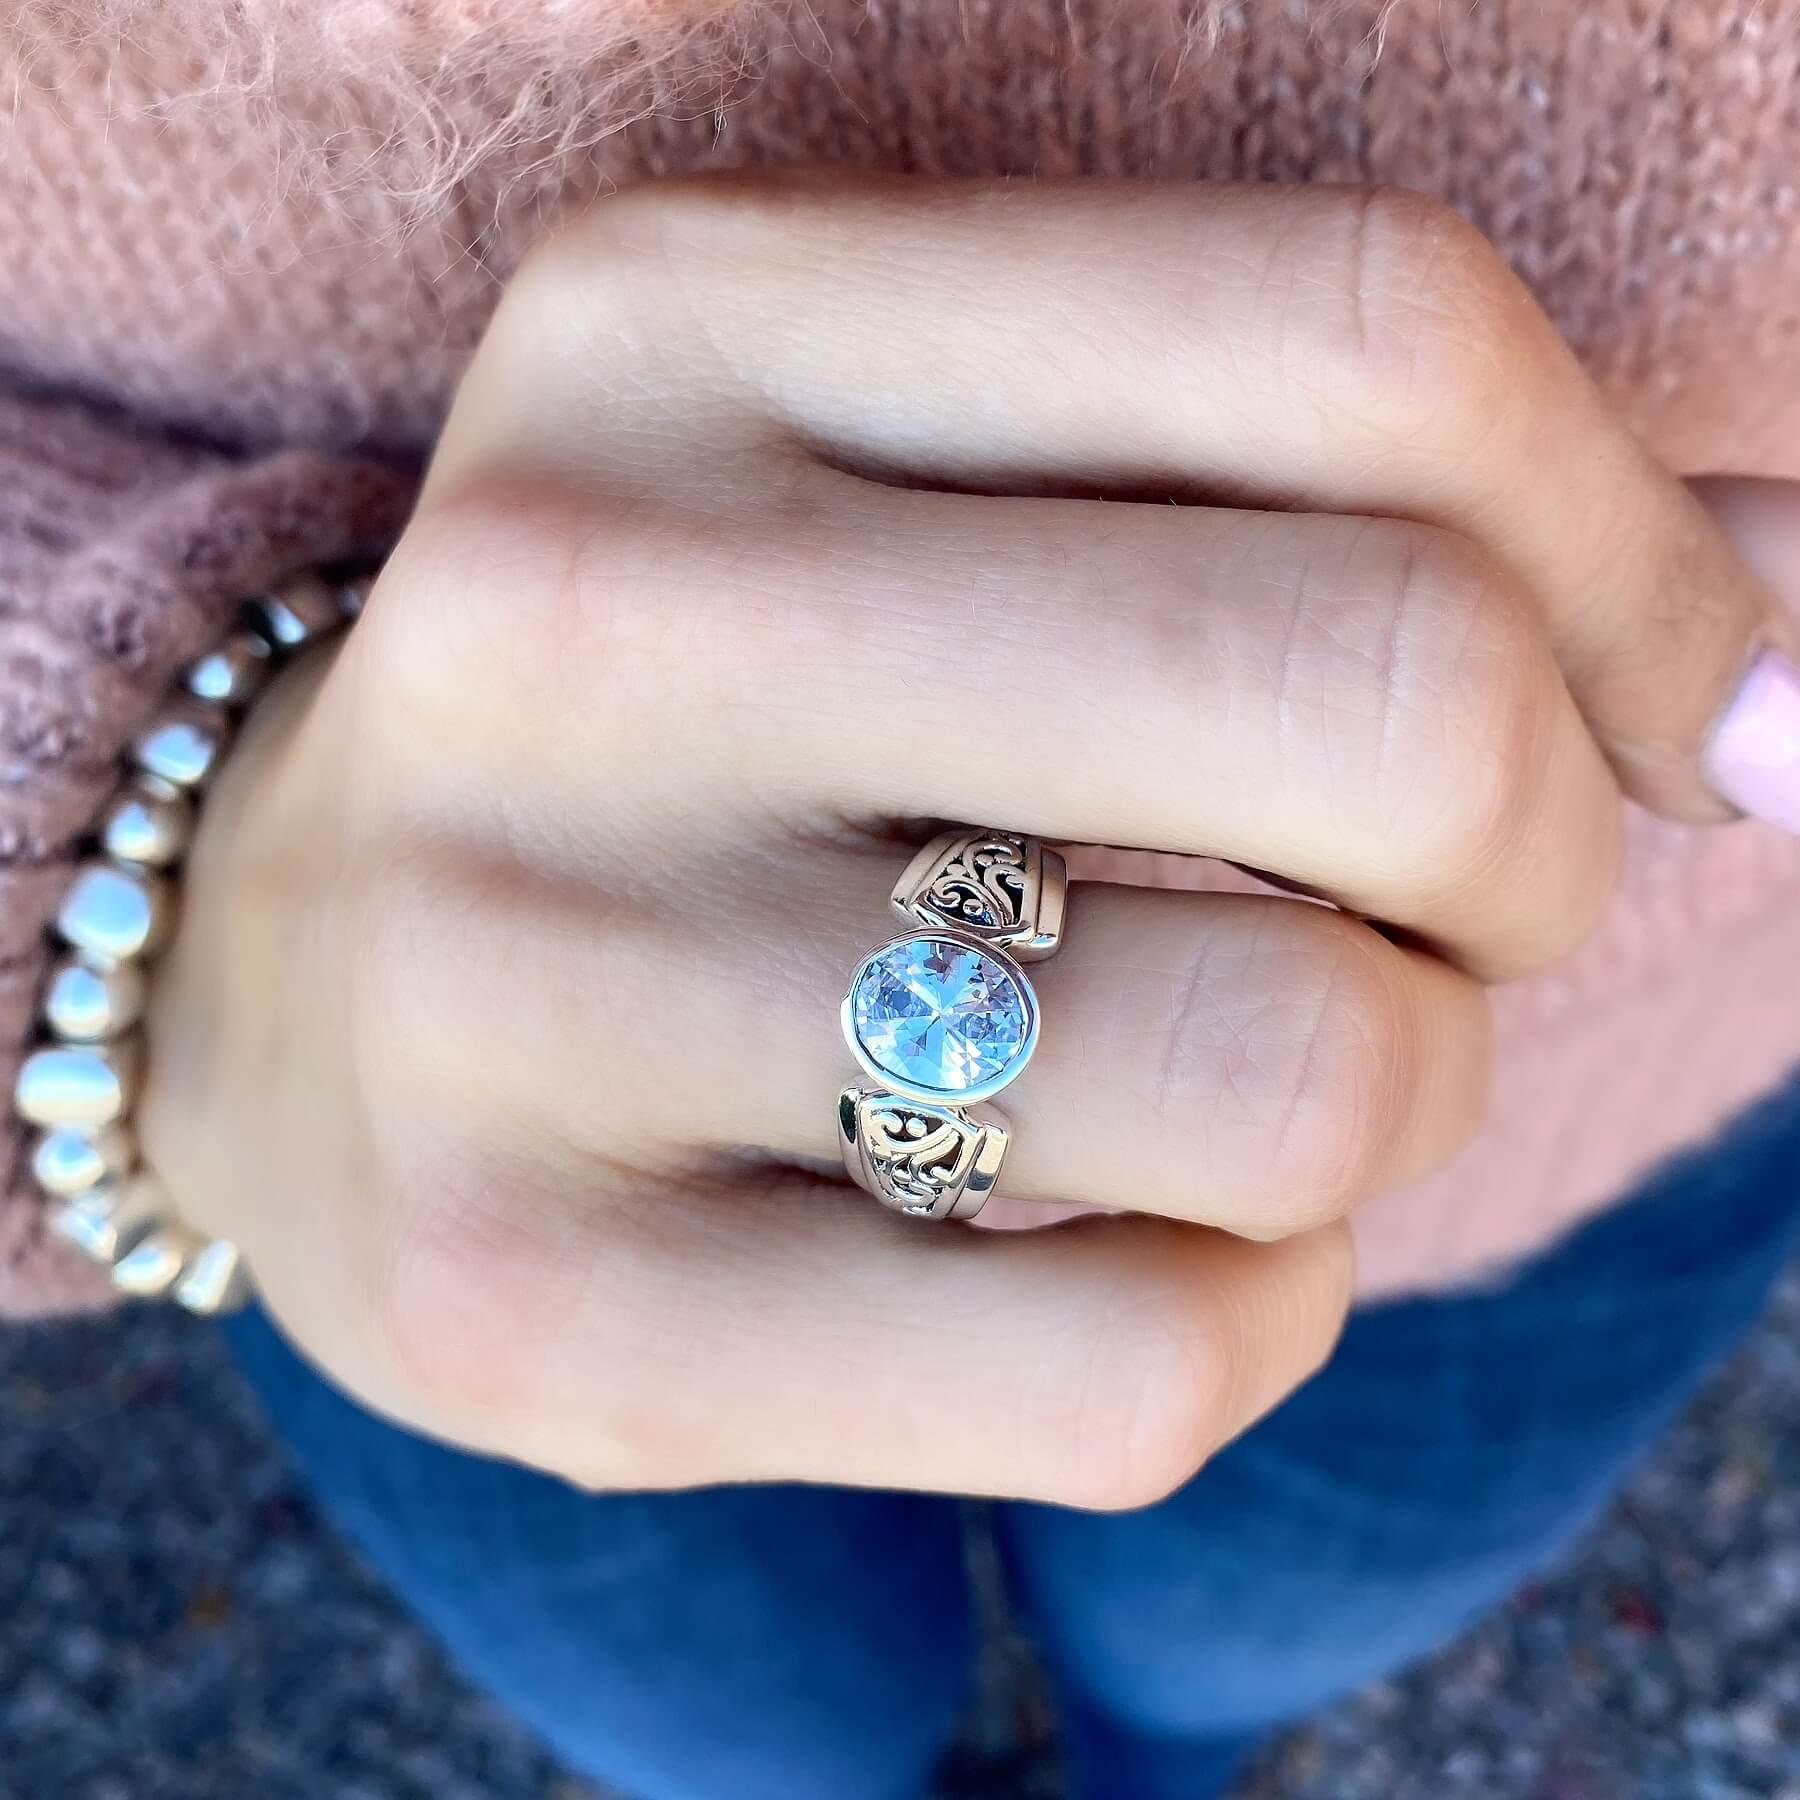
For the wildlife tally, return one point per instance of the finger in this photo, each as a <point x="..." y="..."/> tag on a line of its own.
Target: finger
<point x="797" y="1331"/>
<point x="1753" y="755"/>
<point x="1246" y="1062"/>
<point x="1255" y="1064"/>
<point x="1367" y="707"/>
<point x="1324" y="348"/>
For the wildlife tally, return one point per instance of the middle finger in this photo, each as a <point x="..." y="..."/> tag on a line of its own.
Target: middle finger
<point x="1361" y="706"/>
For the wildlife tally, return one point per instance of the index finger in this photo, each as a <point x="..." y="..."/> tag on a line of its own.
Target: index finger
<point x="1323" y="348"/>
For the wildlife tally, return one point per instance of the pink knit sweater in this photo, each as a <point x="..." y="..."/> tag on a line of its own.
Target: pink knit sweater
<point x="245" y="251"/>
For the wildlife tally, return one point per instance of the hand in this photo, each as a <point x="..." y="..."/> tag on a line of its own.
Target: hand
<point x="501" y="1029"/>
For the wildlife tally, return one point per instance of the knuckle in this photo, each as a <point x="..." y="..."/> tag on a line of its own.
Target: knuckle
<point x="1470" y="711"/>
<point x="633" y="283"/>
<point x="618" y="346"/>
<point x="1298" y="1074"/>
<point x="653" y="224"/>
<point x="474" y="1297"/>
<point x="488" y="1236"/>
<point x="1341" y="1081"/>
<point x="614" y="275"/>
<point x="1403" y="640"/>
<point x="440" y="1263"/>
<point x="512" y="599"/>
<point x="424" y="649"/>
<point x="440" y="1301"/>
<point x="1160" y="1401"/>
<point x="1585" y="888"/>
<point x="1199" y="1343"/>
<point x="1426" y="338"/>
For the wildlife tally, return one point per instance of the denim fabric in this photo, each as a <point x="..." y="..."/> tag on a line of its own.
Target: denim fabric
<point x="804" y="1643"/>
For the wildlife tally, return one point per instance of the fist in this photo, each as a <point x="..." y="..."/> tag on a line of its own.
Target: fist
<point x="778" y="524"/>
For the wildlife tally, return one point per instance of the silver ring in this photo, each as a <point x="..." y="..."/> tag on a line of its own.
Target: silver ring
<point x="944" y="1017"/>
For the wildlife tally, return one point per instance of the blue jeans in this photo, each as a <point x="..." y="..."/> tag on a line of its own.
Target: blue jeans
<point x="804" y="1643"/>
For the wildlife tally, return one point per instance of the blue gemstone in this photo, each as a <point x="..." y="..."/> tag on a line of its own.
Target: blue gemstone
<point x="937" y="1016"/>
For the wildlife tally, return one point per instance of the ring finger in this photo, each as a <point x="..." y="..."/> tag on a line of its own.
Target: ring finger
<point x="1252" y="1063"/>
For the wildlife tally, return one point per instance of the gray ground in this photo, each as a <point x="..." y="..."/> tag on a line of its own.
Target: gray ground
<point x="181" y="1627"/>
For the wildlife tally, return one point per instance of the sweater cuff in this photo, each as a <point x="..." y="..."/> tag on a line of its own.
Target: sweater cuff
<point x="123" y="555"/>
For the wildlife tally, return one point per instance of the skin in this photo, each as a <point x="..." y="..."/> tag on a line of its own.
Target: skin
<point x="740" y="470"/>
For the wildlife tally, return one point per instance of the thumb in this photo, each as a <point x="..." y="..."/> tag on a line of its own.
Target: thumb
<point x="1752" y="754"/>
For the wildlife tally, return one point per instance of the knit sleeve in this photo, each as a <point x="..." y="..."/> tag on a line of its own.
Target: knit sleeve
<point x="122" y="555"/>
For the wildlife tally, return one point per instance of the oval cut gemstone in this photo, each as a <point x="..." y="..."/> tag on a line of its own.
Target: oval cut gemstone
<point x="941" y="1017"/>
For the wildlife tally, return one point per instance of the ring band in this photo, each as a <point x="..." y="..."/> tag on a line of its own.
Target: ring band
<point x="944" y="1017"/>
<point x="995" y="886"/>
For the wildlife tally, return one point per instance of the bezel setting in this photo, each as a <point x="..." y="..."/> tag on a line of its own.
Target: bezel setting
<point x="941" y="1096"/>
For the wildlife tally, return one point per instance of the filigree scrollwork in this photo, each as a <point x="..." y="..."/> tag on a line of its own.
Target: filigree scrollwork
<point x="933" y="1162"/>
<point x="995" y="886"/>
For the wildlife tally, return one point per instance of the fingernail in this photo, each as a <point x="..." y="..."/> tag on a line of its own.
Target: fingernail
<point x="1753" y="758"/>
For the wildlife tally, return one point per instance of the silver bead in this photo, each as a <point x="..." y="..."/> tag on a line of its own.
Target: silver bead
<point x="299" y="612"/>
<point x="87" y="1005"/>
<point x="80" y="1085"/>
<point x="217" y="1280"/>
<point x="106" y="1224"/>
<point x="70" y="1163"/>
<point x="183" y="743"/>
<point x="233" y="674"/>
<point x="159" y="1259"/>
<point x="150" y="821"/>
<point x="113" y="911"/>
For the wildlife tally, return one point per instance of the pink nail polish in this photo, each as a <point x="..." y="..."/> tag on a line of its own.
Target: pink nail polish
<point x="1753" y="758"/>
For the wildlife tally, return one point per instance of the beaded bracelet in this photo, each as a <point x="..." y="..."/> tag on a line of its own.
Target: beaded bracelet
<point x="77" y="1087"/>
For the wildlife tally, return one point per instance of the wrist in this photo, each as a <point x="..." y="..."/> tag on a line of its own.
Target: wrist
<point x="79" y="1088"/>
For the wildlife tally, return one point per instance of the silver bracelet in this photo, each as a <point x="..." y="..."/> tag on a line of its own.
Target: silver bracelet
<point x="78" y="1086"/>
